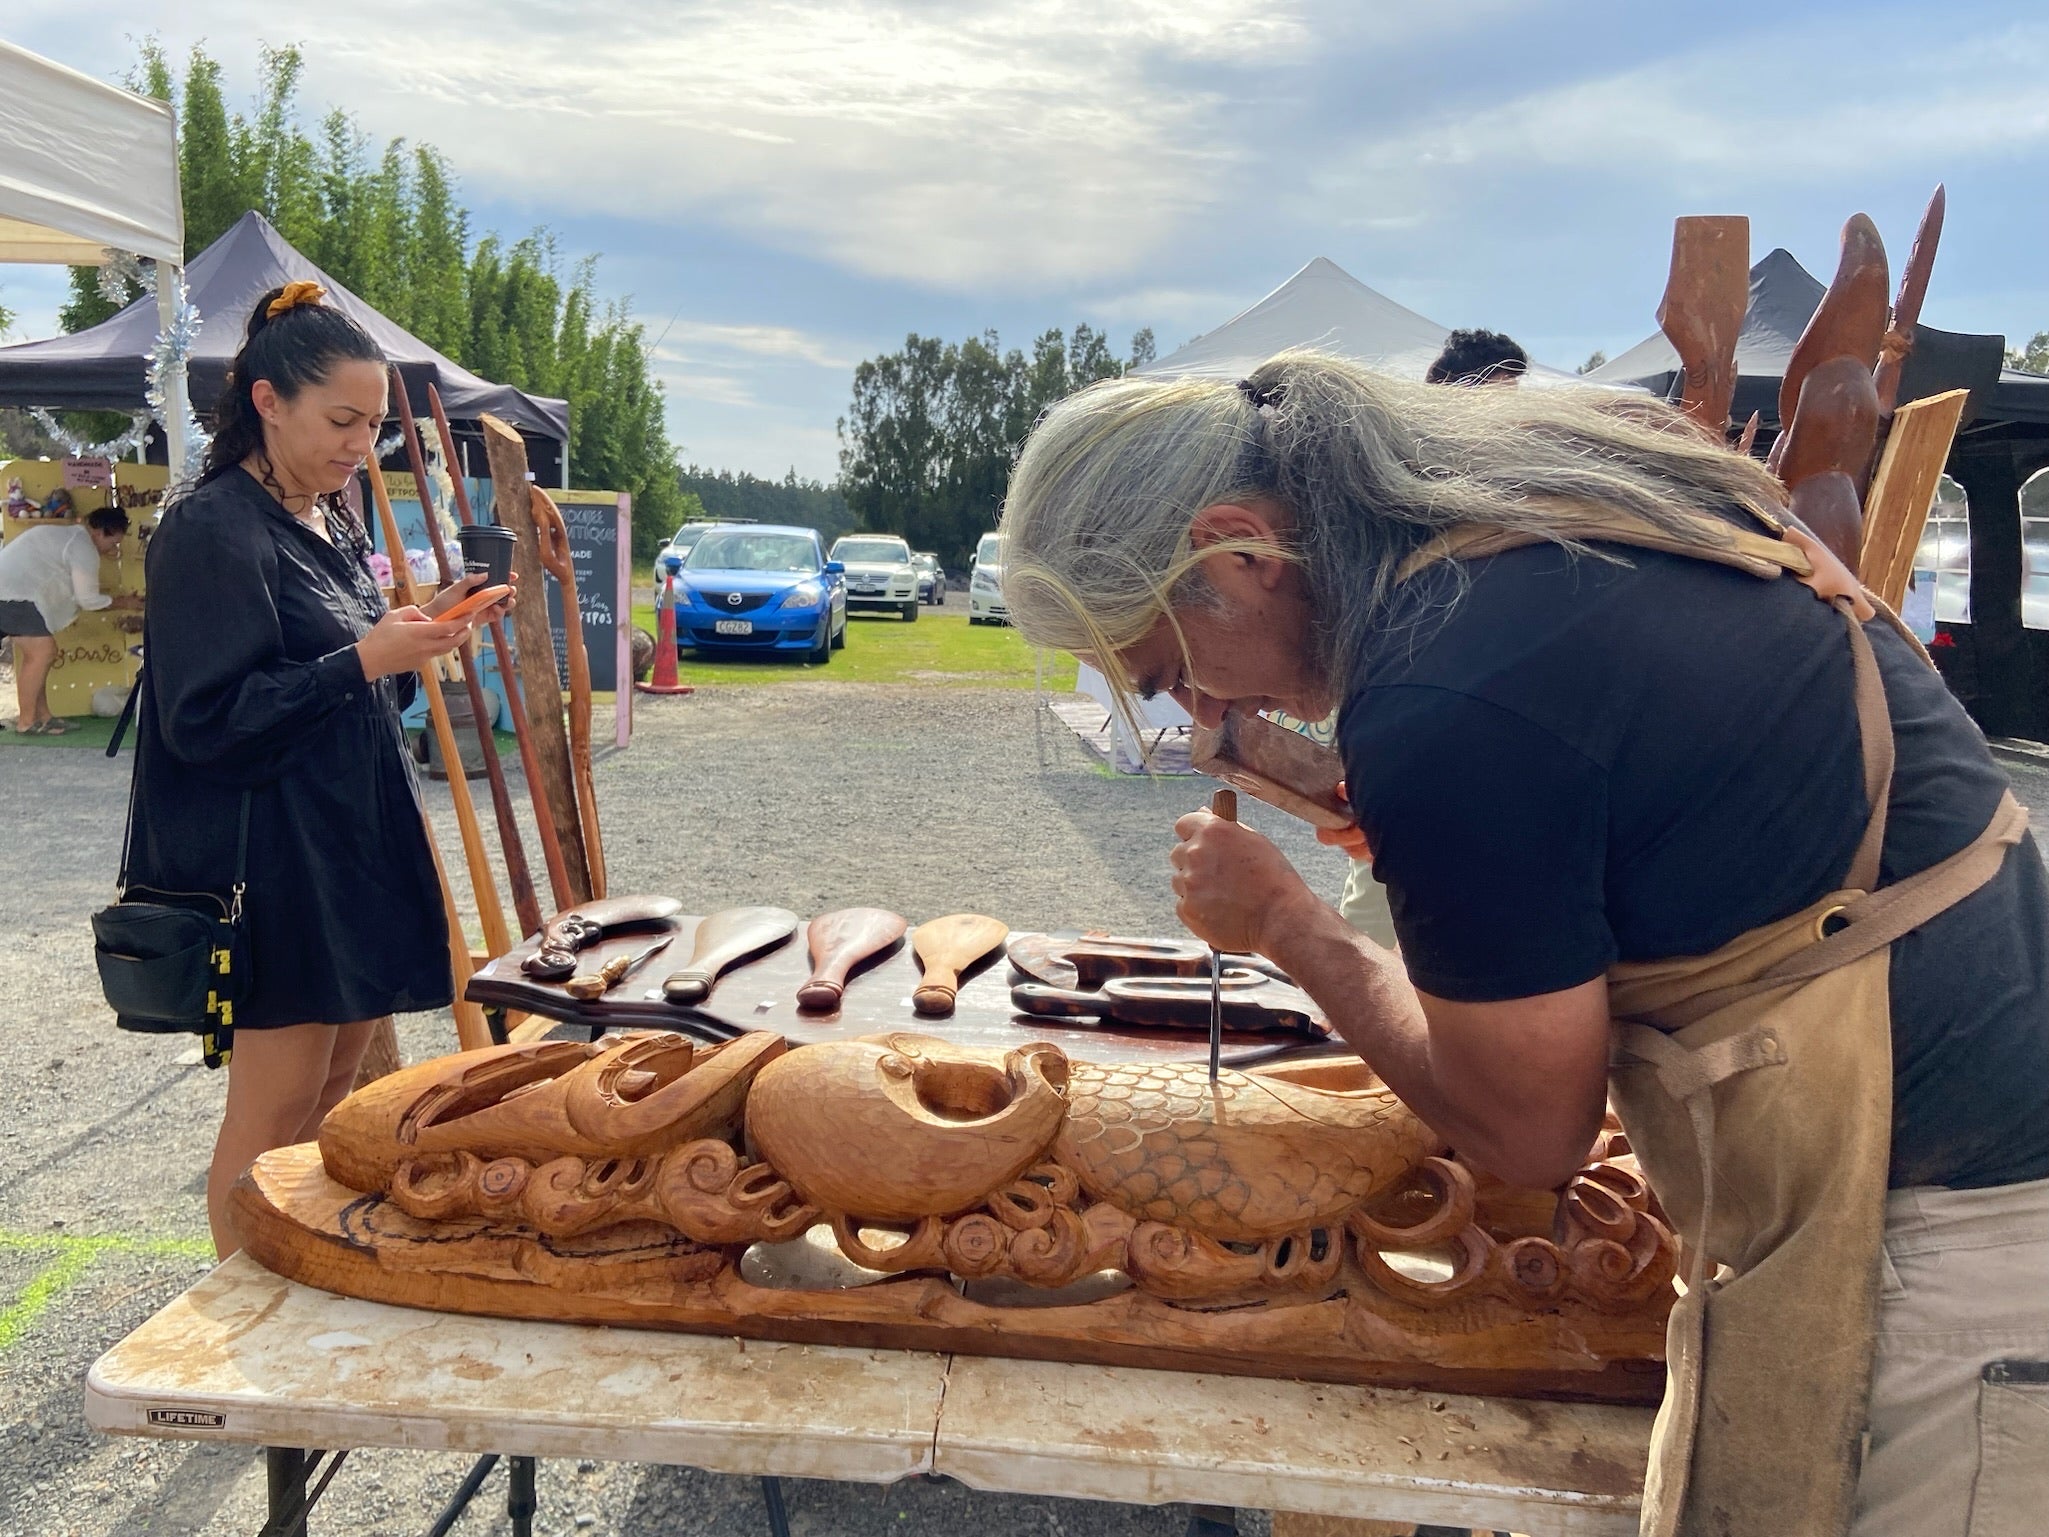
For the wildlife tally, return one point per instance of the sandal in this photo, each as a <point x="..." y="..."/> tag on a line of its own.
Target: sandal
<point x="51" y="727"/>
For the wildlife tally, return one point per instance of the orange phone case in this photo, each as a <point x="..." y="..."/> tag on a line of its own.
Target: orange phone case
<point x="483" y="598"/>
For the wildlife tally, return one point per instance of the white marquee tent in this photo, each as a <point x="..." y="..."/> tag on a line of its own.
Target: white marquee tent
<point x="1325" y="307"/>
<point x="88" y="171"/>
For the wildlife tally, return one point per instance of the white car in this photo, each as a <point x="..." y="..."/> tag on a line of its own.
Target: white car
<point x="985" y="587"/>
<point x="879" y="573"/>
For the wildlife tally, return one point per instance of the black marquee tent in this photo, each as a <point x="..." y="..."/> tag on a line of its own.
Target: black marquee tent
<point x="105" y="367"/>
<point x="1998" y="666"/>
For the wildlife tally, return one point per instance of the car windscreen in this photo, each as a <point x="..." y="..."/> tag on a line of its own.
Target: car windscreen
<point x="733" y="551"/>
<point x="873" y="551"/>
<point x="685" y="538"/>
<point x="990" y="551"/>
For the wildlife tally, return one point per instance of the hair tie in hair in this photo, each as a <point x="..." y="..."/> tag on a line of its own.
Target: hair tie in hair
<point x="294" y="295"/>
<point x="1264" y="397"/>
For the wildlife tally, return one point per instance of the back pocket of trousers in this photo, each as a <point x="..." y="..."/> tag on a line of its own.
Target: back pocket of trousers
<point x="2011" y="1496"/>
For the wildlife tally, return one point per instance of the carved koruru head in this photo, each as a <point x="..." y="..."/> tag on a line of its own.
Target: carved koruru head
<point x="903" y="1126"/>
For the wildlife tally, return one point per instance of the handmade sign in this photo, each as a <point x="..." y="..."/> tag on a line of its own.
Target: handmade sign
<point x="1294" y="1221"/>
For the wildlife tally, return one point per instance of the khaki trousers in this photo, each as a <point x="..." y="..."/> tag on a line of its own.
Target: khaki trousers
<point x="1964" y="1284"/>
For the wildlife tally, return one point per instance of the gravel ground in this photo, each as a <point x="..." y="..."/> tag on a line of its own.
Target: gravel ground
<point x="807" y="795"/>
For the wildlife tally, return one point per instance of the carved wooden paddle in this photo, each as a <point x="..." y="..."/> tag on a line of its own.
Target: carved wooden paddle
<point x="839" y="942"/>
<point x="947" y="947"/>
<point x="1849" y="321"/>
<point x="723" y="941"/>
<point x="1706" y="298"/>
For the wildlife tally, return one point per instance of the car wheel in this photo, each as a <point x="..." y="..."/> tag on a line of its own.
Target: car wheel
<point x="911" y="612"/>
<point x="839" y="637"/>
<point x="821" y="650"/>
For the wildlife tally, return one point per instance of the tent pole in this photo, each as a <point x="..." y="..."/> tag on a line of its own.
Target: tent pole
<point x="177" y="397"/>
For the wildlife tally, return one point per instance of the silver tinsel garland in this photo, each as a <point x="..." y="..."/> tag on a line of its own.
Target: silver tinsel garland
<point x="171" y="350"/>
<point x="78" y="448"/>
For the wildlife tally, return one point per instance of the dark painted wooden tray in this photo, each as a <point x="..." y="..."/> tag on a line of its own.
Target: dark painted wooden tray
<point x="762" y="995"/>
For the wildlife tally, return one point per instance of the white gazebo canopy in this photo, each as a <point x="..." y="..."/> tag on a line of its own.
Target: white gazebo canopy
<point x="88" y="170"/>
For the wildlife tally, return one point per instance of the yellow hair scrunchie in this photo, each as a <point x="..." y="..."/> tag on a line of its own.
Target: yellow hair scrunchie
<point x="294" y="295"/>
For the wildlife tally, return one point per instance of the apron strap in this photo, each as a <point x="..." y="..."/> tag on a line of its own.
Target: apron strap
<point x="1689" y="1075"/>
<point x="1874" y="728"/>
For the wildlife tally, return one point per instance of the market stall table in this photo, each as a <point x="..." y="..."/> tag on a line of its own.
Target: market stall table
<point x="247" y="1356"/>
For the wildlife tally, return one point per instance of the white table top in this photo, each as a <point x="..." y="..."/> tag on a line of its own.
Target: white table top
<point x="248" y="1356"/>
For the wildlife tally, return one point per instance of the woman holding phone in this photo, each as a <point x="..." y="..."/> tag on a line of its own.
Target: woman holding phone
<point x="272" y="666"/>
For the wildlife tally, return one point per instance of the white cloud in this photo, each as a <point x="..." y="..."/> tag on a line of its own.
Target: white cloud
<point x="683" y="339"/>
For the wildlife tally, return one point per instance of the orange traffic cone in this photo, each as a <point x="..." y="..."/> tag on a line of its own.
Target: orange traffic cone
<point x="665" y="644"/>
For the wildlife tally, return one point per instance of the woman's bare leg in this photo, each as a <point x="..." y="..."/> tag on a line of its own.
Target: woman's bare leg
<point x="350" y="1042"/>
<point x="275" y="1080"/>
<point x="34" y="655"/>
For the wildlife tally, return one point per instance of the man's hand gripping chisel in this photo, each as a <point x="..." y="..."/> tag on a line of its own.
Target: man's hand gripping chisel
<point x="1223" y="805"/>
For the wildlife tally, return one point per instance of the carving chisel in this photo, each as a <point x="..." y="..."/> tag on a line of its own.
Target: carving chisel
<point x="608" y="976"/>
<point x="1223" y="804"/>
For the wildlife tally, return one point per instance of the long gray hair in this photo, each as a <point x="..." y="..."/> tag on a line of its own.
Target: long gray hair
<point x="1096" y="525"/>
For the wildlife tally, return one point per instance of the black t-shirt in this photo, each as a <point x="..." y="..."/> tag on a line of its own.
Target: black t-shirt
<point x="1573" y="762"/>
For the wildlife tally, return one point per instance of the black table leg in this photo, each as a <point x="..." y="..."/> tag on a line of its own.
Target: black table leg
<point x="284" y="1470"/>
<point x="778" y="1517"/>
<point x="520" y="1501"/>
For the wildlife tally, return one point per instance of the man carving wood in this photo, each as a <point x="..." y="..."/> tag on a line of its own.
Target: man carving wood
<point x="1667" y="813"/>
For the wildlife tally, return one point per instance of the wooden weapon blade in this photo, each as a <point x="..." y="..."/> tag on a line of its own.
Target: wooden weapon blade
<point x="515" y="695"/>
<point x="537" y="676"/>
<point x="1896" y="510"/>
<point x="1706" y="297"/>
<point x="553" y="535"/>
<point x="1849" y="321"/>
<point x="1906" y="308"/>
<point x="524" y="903"/>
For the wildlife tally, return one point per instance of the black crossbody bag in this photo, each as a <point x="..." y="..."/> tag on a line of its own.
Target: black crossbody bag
<point x="174" y="961"/>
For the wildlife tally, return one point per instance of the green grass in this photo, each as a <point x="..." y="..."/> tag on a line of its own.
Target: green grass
<point x="940" y="650"/>
<point x="86" y="731"/>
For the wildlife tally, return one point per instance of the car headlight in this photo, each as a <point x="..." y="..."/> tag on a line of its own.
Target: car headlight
<point x="984" y="582"/>
<point x="803" y="595"/>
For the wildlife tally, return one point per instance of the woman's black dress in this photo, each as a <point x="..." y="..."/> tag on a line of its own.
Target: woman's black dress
<point x="251" y="679"/>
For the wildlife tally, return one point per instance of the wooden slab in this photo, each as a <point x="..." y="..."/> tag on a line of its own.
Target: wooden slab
<point x="762" y="995"/>
<point x="246" y="1355"/>
<point x="1143" y="1437"/>
<point x="1896" y="511"/>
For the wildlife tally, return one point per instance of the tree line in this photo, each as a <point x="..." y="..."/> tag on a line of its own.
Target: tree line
<point x="927" y="443"/>
<point x="385" y="221"/>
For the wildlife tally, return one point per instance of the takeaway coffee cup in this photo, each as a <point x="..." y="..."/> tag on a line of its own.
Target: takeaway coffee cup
<point x="487" y="547"/>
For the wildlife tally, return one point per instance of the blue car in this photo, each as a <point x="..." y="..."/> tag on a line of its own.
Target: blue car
<point x="759" y="589"/>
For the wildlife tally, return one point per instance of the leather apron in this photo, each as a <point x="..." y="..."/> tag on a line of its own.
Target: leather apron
<point x="1755" y="1086"/>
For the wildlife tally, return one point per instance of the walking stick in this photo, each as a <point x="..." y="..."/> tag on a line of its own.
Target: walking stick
<point x="554" y="540"/>
<point x="515" y="700"/>
<point x="489" y="912"/>
<point x="524" y="903"/>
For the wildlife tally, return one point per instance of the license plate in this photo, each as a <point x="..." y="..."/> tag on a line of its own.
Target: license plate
<point x="869" y="592"/>
<point x="733" y="626"/>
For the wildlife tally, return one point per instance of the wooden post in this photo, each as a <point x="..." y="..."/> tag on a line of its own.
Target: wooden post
<point x="1897" y="509"/>
<point x="553" y="537"/>
<point x="538" y="678"/>
<point x="470" y="1030"/>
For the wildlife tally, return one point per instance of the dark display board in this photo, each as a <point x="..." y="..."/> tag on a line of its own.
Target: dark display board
<point x="594" y="556"/>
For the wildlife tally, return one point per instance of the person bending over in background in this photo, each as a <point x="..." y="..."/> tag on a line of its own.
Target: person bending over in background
<point x="48" y="577"/>
<point x="1478" y="357"/>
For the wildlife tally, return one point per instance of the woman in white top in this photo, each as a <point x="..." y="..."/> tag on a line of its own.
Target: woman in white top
<point x="47" y="576"/>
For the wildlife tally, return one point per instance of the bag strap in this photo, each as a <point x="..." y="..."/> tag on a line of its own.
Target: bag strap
<point x="128" y="828"/>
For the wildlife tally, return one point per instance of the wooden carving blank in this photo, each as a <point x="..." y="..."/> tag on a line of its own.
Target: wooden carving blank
<point x="723" y="941"/>
<point x="947" y="947"/>
<point x="1013" y="1202"/>
<point x="1273" y="764"/>
<point x="1850" y="320"/>
<point x="1706" y="298"/>
<point x="838" y="943"/>
<point x="1896" y="511"/>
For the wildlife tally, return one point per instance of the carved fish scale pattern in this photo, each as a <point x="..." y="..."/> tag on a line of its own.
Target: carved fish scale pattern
<point x="1164" y="1144"/>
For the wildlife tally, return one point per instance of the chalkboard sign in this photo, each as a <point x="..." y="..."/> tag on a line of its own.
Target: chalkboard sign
<point x="594" y="557"/>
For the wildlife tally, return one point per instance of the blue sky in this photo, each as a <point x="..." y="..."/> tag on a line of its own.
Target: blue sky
<point x="785" y="188"/>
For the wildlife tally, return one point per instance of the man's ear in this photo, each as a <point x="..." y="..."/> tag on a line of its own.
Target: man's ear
<point x="1236" y="522"/>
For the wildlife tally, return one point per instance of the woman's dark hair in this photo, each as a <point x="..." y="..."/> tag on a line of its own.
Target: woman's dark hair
<point x="107" y="520"/>
<point x="292" y="349"/>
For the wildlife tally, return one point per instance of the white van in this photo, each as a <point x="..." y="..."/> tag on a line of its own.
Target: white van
<point x="985" y="587"/>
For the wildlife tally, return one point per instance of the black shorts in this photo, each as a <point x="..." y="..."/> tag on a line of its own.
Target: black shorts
<point x="19" y="618"/>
